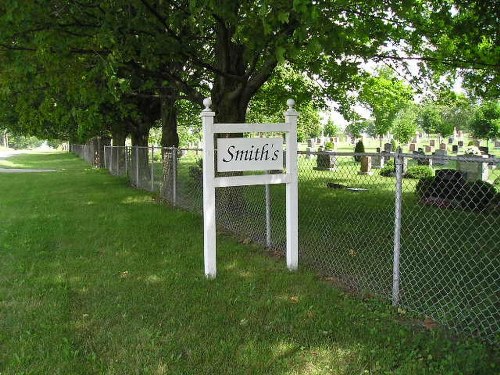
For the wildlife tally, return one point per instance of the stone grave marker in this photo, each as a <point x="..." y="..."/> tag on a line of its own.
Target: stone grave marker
<point x="432" y="143"/>
<point x="454" y="149"/>
<point x="484" y="150"/>
<point x="429" y="149"/>
<point x="388" y="147"/>
<point x="443" y="146"/>
<point x="378" y="161"/>
<point x="474" y="170"/>
<point x="439" y="161"/>
<point x="460" y="143"/>
<point x="497" y="143"/>
<point x="366" y="166"/>
<point x="412" y="147"/>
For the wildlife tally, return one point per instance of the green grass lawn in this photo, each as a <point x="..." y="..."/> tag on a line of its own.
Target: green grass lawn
<point x="449" y="261"/>
<point x="98" y="278"/>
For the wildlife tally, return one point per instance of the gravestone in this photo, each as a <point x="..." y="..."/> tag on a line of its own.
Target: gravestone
<point x="474" y="169"/>
<point x="412" y="147"/>
<point x="310" y="143"/>
<point x="378" y="161"/>
<point x="326" y="161"/>
<point x="454" y="149"/>
<point x="497" y="144"/>
<point x="378" y="150"/>
<point x="309" y="151"/>
<point x="388" y="147"/>
<point x="432" y="143"/>
<point x="460" y="143"/>
<point x="450" y="140"/>
<point x="366" y="166"/>
<point x="422" y="160"/>
<point x="429" y="149"/>
<point x="484" y="150"/>
<point x="405" y="165"/>
<point x="443" y="146"/>
<point x="439" y="160"/>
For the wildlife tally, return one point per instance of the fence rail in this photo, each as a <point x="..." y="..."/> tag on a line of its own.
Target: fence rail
<point x="422" y="231"/>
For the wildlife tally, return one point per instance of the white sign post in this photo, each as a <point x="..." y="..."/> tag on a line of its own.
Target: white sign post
<point x="249" y="154"/>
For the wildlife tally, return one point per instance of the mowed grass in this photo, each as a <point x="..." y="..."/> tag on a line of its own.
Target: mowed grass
<point x="98" y="278"/>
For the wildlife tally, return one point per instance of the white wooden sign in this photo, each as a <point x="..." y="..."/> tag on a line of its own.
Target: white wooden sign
<point x="249" y="154"/>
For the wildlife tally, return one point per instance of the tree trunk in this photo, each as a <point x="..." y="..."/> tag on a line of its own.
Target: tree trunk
<point x="169" y="136"/>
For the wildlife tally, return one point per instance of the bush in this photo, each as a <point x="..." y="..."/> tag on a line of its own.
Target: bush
<point x="196" y="171"/>
<point x="359" y="149"/>
<point x="477" y="195"/>
<point x="425" y="187"/>
<point x="329" y="146"/>
<point x="389" y="169"/>
<point x="394" y="145"/>
<point x="419" y="171"/>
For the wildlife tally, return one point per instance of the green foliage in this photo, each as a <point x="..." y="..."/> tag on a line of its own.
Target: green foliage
<point x="329" y="146"/>
<point x="359" y="148"/>
<point x="477" y="195"/>
<point x="486" y="121"/>
<point x="389" y="169"/>
<point x="424" y="187"/>
<point x="20" y="142"/>
<point x="331" y="129"/>
<point x="404" y="126"/>
<point x="431" y="120"/>
<point x="354" y="129"/>
<point x="385" y="96"/>
<point x="419" y="172"/>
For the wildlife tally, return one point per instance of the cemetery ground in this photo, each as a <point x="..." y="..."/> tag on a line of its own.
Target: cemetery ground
<point x="99" y="278"/>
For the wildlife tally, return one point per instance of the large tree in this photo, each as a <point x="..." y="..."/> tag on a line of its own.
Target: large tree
<point x="384" y="95"/>
<point x="486" y="121"/>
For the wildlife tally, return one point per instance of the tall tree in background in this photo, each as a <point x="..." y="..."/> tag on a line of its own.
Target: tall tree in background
<point x="404" y="126"/>
<point x="384" y="95"/>
<point x="486" y="121"/>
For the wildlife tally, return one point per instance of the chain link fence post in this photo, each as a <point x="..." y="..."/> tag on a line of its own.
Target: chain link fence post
<point x="397" y="226"/>
<point x="136" y="151"/>
<point x="174" y="176"/>
<point x="152" y="168"/>
<point x="268" y="216"/>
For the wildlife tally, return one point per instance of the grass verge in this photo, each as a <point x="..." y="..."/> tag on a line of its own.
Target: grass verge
<point x="97" y="278"/>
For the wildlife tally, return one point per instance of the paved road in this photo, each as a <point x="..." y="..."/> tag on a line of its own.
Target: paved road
<point x="6" y="154"/>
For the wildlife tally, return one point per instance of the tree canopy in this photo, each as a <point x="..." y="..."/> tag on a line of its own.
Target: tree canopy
<point x="75" y="69"/>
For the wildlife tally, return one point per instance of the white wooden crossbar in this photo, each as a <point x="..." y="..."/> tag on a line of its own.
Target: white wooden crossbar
<point x="265" y="179"/>
<point x="250" y="128"/>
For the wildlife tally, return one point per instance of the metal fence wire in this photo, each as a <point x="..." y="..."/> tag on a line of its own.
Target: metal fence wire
<point x="420" y="230"/>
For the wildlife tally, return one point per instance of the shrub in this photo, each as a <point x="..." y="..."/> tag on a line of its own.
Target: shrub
<point x="329" y="146"/>
<point x="419" y="171"/>
<point x="359" y="149"/>
<point x="425" y="187"/>
<point x="471" y="143"/>
<point x="477" y="195"/>
<point x="196" y="171"/>
<point x="389" y="170"/>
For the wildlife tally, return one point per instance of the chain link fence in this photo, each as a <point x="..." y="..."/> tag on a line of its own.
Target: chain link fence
<point x="422" y="231"/>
